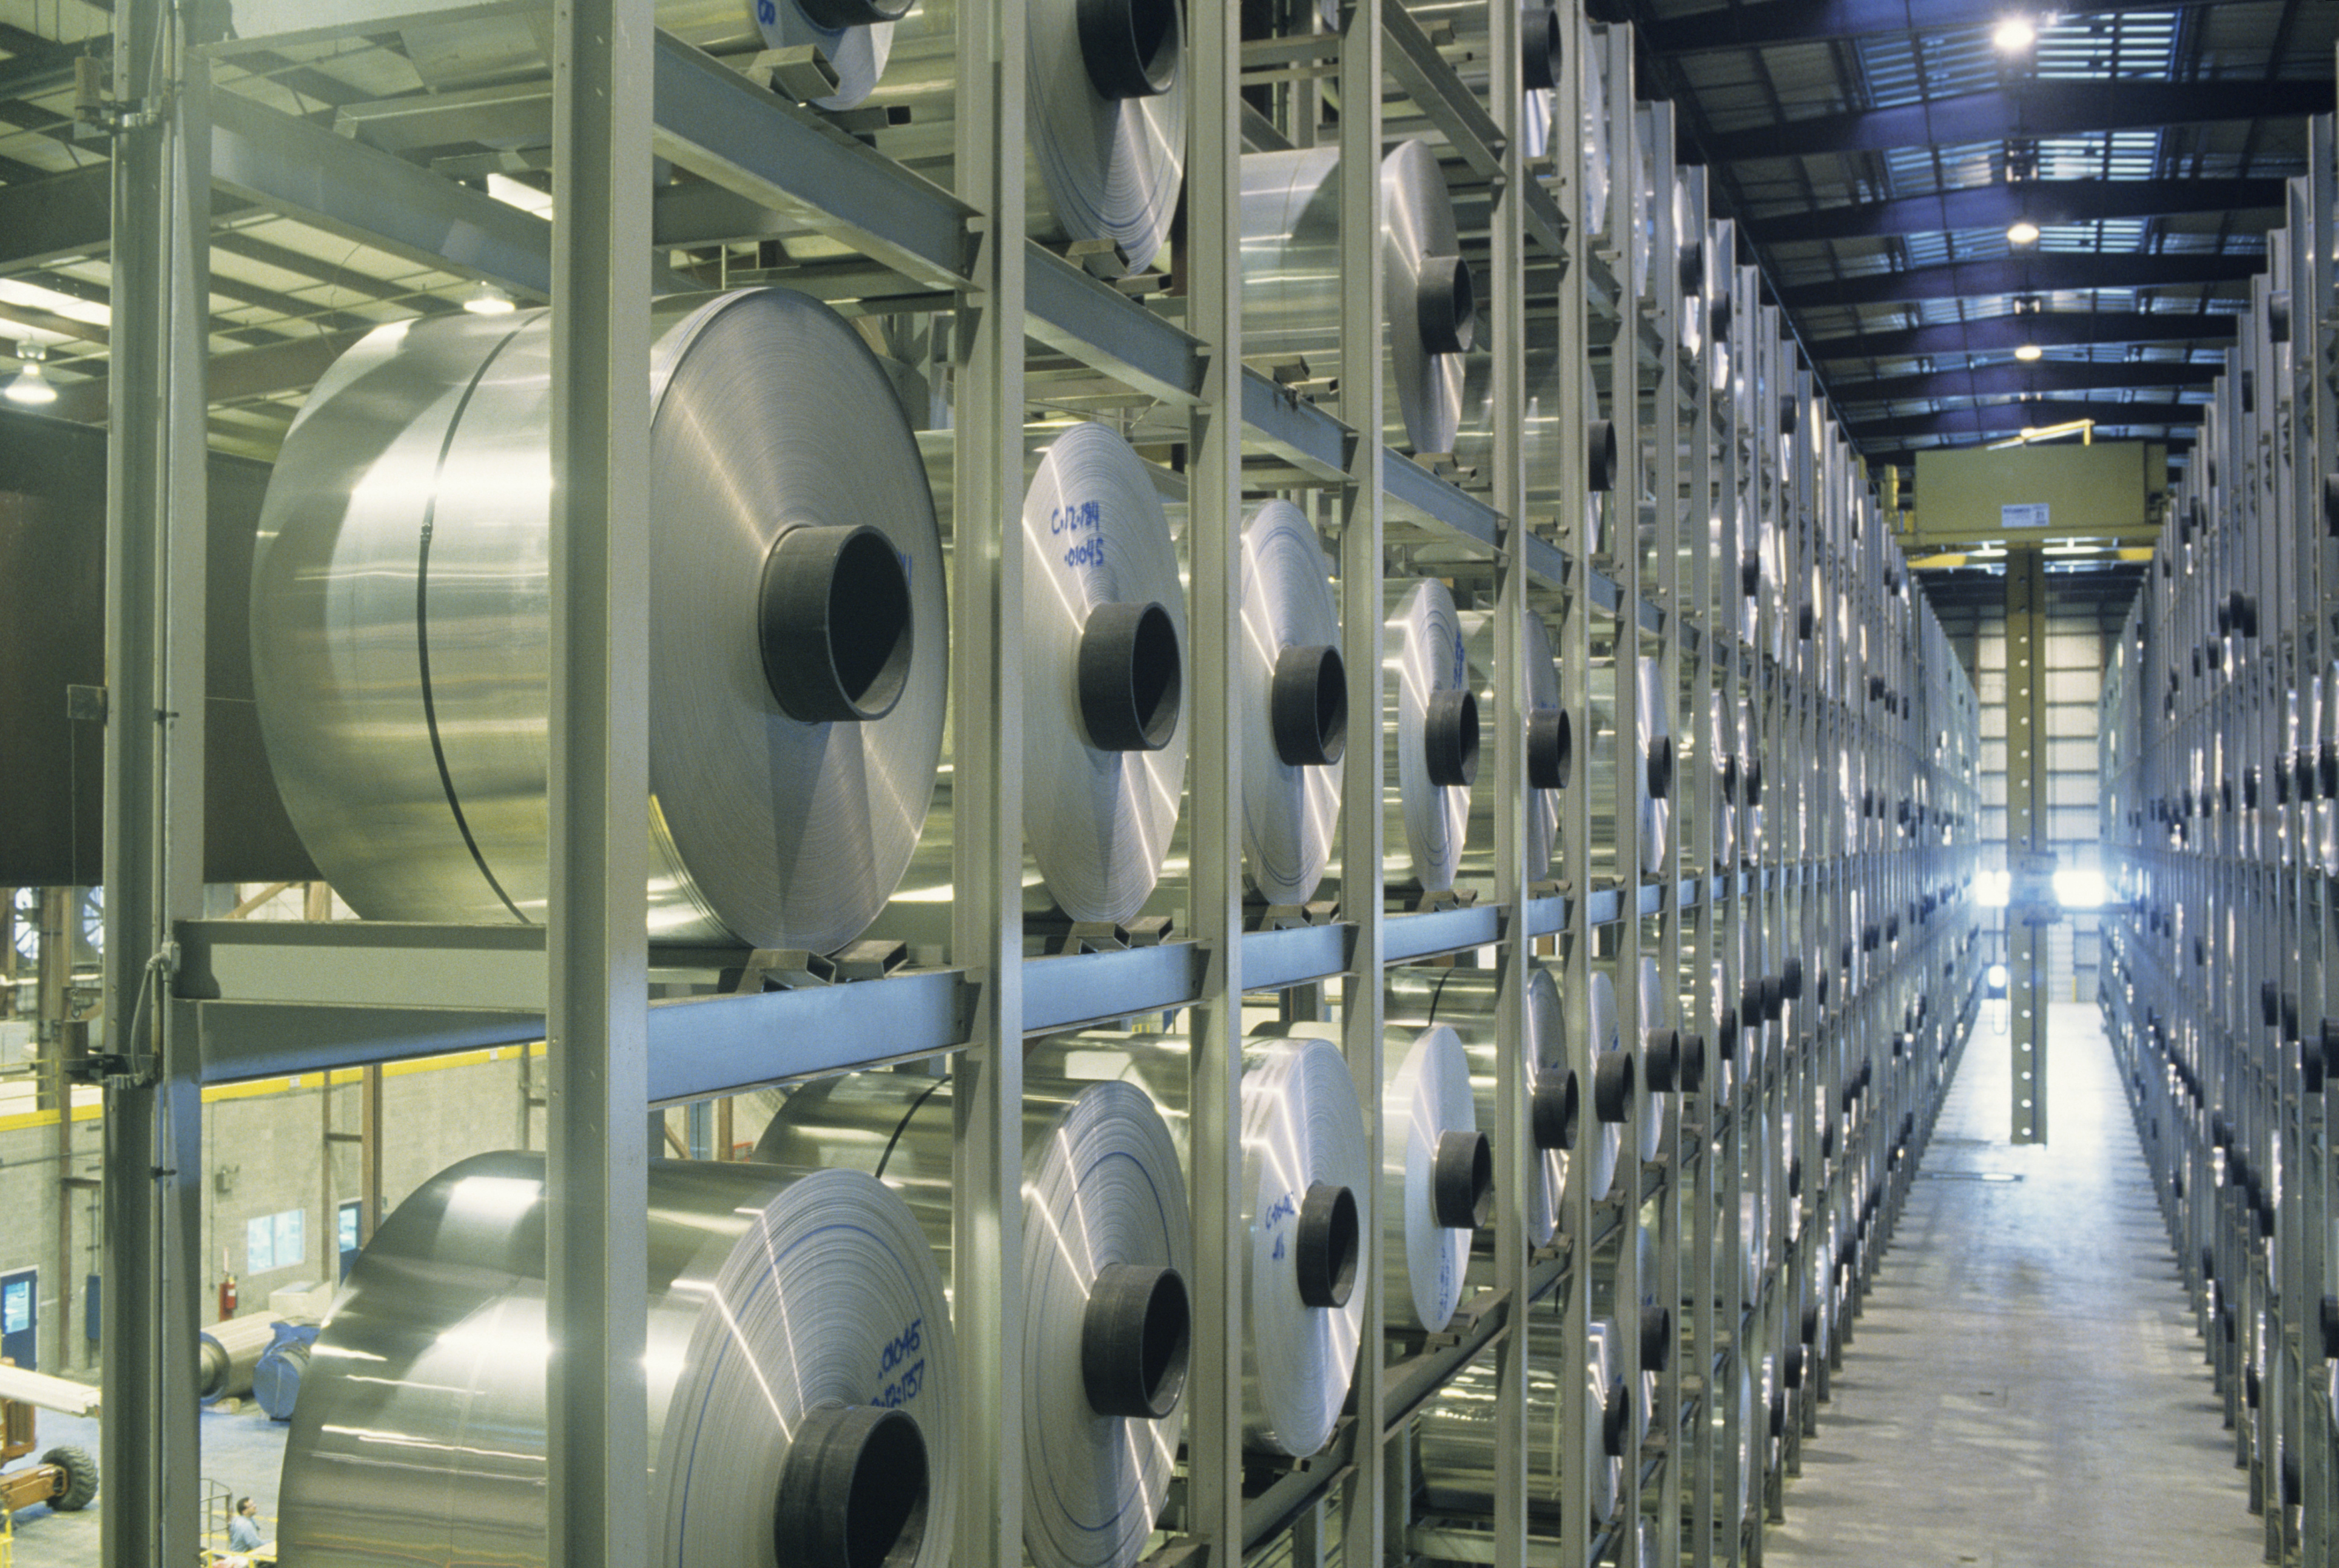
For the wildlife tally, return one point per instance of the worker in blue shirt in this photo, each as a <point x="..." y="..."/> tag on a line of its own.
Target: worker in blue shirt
<point x="243" y="1530"/>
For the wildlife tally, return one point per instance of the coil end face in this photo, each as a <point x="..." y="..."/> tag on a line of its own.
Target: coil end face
<point x="852" y="1490"/>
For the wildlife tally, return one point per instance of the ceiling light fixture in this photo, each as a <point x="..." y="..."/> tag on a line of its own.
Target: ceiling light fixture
<point x="2028" y="352"/>
<point x="2022" y="231"/>
<point x="2014" y="34"/>
<point x="487" y="300"/>
<point x="31" y="387"/>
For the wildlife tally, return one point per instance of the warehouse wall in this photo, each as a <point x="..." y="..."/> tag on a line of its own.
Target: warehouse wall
<point x="264" y="1151"/>
<point x="2076" y="645"/>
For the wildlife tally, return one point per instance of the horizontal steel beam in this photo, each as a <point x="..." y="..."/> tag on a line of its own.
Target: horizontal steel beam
<point x="2011" y="419"/>
<point x="2053" y="328"/>
<point x="264" y="371"/>
<point x="2046" y="202"/>
<point x="2047" y="273"/>
<point x="2029" y="109"/>
<point x="2014" y="379"/>
<point x="1819" y="21"/>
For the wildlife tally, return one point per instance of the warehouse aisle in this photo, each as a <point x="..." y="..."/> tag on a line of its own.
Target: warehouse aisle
<point x="2025" y="1389"/>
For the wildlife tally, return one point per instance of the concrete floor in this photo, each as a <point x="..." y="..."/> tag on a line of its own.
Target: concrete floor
<point x="2025" y="1387"/>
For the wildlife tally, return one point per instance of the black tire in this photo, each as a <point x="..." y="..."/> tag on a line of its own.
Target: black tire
<point x="81" y="1478"/>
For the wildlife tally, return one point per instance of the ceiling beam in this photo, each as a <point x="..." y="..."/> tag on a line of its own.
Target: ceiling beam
<point x="1820" y="21"/>
<point x="2035" y="274"/>
<point x="2055" y="328"/>
<point x="2012" y="418"/>
<point x="2047" y="203"/>
<point x="290" y="366"/>
<point x="2030" y="109"/>
<point x="2013" y="380"/>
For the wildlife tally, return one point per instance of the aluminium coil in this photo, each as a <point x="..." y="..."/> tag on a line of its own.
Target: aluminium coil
<point x="1548" y="740"/>
<point x="1108" y="1248"/>
<point x="1291" y="282"/>
<point x="1303" y="1249"/>
<point x="802" y="1395"/>
<point x="1430" y="733"/>
<point x="1467" y="1002"/>
<point x="1292" y="702"/>
<point x="402" y="611"/>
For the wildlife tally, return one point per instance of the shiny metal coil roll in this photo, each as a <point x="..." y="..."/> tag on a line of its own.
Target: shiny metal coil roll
<point x="1457" y="1429"/>
<point x="1293" y="702"/>
<point x="1303" y="1137"/>
<point x="1430" y="731"/>
<point x="803" y="1386"/>
<point x="1610" y="1087"/>
<point x="851" y="36"/>
<point x="1104" y="108"/>
<point x="1465" y="1001"/>
<point x="1651" y="763"/>
<point x="1746" y="1450"/>
<point x="1291" y="280"/>
<point x="1550" y="744"/>
<point x="1438" y="1175"/>
<point x="1437" y="1170"/>
<point x="1108" y="1248"/>
<point x="1540" y="446"/>
<point x="1104" y="683"/>
<point x="1660" y="1106"/>
<point x="226" y="1354"/>
<point x="401" y="612"/>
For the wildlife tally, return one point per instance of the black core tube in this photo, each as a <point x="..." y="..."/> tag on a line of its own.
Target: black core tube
<point x="1445" y="305"/>
<point x="1600" y="454"/>
<point x="1661" y="1060"/>
<point x="832" y="615"/>
<point x="1130" y="46"/>
<point x="1462" y="1180"/>
<point x="1661" y="768"/>
<point x="1132" y="677"/>
<point x="1611" y="1087"/>
<point x="1325" y="1248"/>
<point x="854" y="12"/>
<point x="1693" y="1063"/>
<point x="1541" y="46"/>
<point x="1449" y="737"/>
<point x="1134" y="1340"/>
<point x="853" y="1490"/>
<point x="1551" y="748"/>
<point x="1555" y="1108"/>
<point x="1656" y="1338"/>
<point x="1307" y="705"/>
<point x="1616" y="1419"/>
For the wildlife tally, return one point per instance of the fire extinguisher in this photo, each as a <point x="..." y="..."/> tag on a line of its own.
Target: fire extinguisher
<point x="226" y="1293"/>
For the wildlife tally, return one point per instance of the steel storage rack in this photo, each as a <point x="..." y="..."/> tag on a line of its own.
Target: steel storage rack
<point x="2220" y="769"/>
<point x="1778" y="827"/>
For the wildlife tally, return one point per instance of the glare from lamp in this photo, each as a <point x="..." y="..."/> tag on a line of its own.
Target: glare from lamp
<point x="1996" y="976"/>
<point x="2014" y="34"/>
<point x="2076" y="887"/>
<point x="31" y="387"/>
<point x="1994" y="889"/>
<point x="2022" y="231"/>
<point x="487" y="300"/>
<point x="2028" y="352"/>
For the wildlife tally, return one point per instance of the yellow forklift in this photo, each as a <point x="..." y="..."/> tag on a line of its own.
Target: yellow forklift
<point x="66" y="1478"/>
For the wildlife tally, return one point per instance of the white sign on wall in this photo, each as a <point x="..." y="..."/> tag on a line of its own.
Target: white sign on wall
<point x="2027" y="514"/>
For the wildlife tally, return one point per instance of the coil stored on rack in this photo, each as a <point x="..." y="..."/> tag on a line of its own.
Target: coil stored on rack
<point x="1467" y="1002"/>
<point x="1430" y="731"/>
<point x="1108" y="1248"/>
<point x="1438" y="1175"/>
<point x="1650" y="763"/>
<point x="1104" y="677"/>
<point x="1291" y="280"/>
<point x="402" y="615"/>
<point x="1550" y="743"/>
<point x="1604" y="1064"/>
<point x="1293" y="706"/>
<point x="802" y="1387"/>
<point x="1303" y="1140"/>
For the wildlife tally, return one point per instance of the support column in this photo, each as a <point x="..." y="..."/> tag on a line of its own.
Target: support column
<point x="597" y="942"/>
<point x="2031" y="904"/>
<point x="159" y="116"/>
